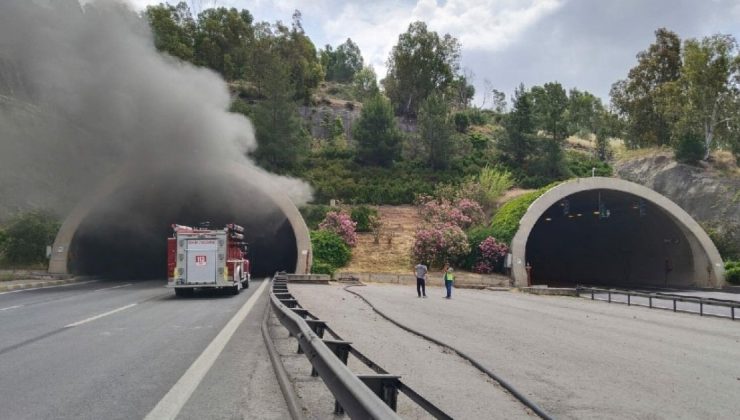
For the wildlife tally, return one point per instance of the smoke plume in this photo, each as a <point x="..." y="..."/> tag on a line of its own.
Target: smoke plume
<point x="84" y="93"/>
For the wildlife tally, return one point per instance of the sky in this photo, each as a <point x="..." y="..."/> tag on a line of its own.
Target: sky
<point x="588" y="44"/>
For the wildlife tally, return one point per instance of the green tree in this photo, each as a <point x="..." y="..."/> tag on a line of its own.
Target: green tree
<point x="299" y="54"/>
<point x="223" y="39"/>
<point x="516" y="144"/>
<point x="365" y="83"/>
<point x="461" y="92"/>
<point x="435" y="130"/>
<point x="342" y="64"/>
<point x="549" y="106"/>
<point x="584" y="111"/>
<point x="173" y="28"/>
<point x="638" y="98"/>
<point x="420" y="63"/>
<point x="710" y="92"/>
<point x="281" y="139"/>
<point x="377" y="135"/>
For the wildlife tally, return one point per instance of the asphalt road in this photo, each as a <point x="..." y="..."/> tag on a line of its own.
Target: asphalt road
<point x="118" y="350"/>
<point x="575" y="358"/>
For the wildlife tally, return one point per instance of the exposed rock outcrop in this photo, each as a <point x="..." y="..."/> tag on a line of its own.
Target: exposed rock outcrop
<point x="710" y="197"/>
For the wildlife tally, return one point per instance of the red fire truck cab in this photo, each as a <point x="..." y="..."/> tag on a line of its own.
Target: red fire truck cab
<point x="204" y="258"/>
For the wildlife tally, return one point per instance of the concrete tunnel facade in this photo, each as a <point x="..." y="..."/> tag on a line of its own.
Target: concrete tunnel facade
<point x="607" y="231"/>
<point x="120" y="230"/>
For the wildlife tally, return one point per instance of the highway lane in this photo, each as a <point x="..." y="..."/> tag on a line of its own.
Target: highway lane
<point x="113" y="350"/>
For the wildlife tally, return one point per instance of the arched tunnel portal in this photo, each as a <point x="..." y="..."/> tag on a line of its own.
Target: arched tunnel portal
<point x="606" y="231"/>
<point x="121" y="230"/>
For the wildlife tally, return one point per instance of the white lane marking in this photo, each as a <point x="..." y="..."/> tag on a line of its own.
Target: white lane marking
<point x="114" y="287"/>
<point x="11" y="307"/>
<point x="93" y="318"/>
<point x="171" y="404"/>
<point x="50" y="287"/>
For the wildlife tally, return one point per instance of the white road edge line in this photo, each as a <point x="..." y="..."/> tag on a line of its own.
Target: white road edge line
<point x="93" y="318"/>
<point x="11" y="307"/>
<point x="50" y="287"/>
<point x="114" y="287"/>
<point x="171" y="404"/>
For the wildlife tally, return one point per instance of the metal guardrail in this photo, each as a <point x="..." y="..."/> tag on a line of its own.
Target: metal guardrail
<point x="360" y="396"/>
<point x="661" y="296"/>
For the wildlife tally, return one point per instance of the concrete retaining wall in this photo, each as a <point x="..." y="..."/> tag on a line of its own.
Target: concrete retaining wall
<point x="434" y="279"/>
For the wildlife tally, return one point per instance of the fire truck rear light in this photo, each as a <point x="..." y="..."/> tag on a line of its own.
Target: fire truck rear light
<point x="180" y="271"/>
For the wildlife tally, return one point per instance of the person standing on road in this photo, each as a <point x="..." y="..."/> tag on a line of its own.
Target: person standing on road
<point x="421" y="275"/>
<point x="449" y="276"/>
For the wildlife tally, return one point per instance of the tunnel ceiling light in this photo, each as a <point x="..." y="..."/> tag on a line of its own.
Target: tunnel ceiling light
<point x="547" y="219"/>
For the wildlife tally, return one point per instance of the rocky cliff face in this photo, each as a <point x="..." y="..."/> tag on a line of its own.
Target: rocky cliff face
<point x="711" y="198"/>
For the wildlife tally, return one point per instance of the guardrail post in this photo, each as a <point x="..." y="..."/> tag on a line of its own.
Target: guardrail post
<point x="384" y="386"/>
<point x="732" y="312"/>
<point x="628" y="300"/>
<point x="650" y="301"/>
<point x="341" y="349"/>
<point x="674" y="305"/>
<point x="317" y="326"/>
<point x="701" y="308"/>
<point x="290" y="303"/>
<point x="610" y="296"/>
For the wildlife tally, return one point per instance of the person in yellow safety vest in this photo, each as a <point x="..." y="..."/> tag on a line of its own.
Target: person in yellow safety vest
<point x="449" y="277"/>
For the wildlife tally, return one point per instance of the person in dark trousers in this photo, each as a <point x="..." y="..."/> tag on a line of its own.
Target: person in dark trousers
<point x="449" y="277"/>
<point x="421" y="275"/>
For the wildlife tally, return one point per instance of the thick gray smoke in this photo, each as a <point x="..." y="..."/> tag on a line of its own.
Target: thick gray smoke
<point x="83" y="94"/>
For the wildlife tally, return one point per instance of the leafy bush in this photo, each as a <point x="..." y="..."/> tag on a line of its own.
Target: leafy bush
<point x="329" y="248"/>
<point x="723" y="235"/>
<point x="479" y="141"/>
<point x="321" y="267"/>
<point x="340" y="223"/>
<point x="505" y="222"/>
<point x="362" y="216"/>
<point x="732" y="272"/>
<point x="27" y="235"/>
<point x="462" y="121"/>
<point x="440" y="243"/>
<point x="494" y="182"/>
<point x="313" y="214"/>
<point x="581" y="165"/>
<point x="689" y="148"/>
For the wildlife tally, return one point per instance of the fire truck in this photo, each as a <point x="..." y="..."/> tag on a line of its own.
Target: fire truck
<point x="199" y="258"/>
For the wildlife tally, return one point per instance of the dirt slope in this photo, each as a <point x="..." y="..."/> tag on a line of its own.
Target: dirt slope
<point x="393" y="253"/>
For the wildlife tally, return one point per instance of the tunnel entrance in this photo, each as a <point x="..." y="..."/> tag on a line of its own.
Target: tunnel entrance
<point x="125" y="234"/>
<point x="612" y="232"/>
<point x="605" y="237"/>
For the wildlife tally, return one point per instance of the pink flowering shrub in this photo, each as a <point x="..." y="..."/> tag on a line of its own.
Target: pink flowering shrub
<point x="439" y="243"/>
<point x="492" y="253"/>
<point x="463" y="213"/>
<point x="340" y="223"/>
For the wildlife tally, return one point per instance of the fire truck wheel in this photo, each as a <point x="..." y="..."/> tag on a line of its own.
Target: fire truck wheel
<point x="184" y="292"/>
<point x="235" y="290"/>
<point x="245" y="283"/>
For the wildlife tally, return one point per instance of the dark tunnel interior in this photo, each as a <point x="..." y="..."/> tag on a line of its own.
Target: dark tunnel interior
<point x="126" y="235"/>
<point x="606" y="237"/>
